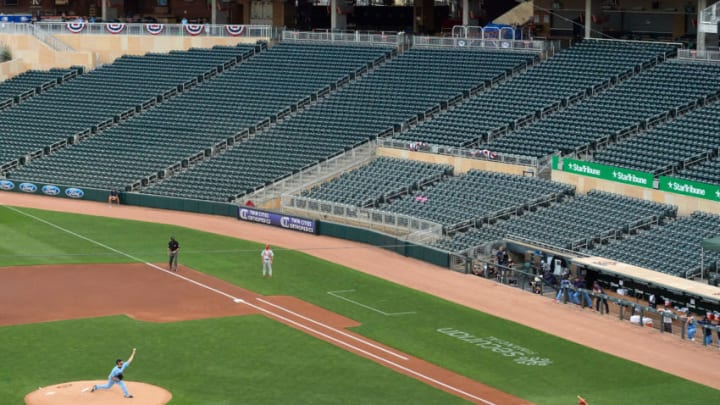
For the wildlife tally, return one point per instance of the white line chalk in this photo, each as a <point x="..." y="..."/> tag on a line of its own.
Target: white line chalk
<point x="137" y="259"/>
<point x="390" y="352"/>
<point x="336" y="294"/>
<point x="417" y="374"/>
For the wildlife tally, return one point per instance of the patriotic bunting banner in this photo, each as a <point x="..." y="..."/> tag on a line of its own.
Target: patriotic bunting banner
<point x="154" y="29"/>
<point x="75" y="27"/>
<point x="115" y="28"/>
<point x="194" y="29"/>
<point x="235" y="30"/>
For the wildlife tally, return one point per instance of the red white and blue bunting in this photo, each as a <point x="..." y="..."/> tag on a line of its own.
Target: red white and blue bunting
<point x="154" y="29"/>
<point x="194" y="29"/>
<point x="235" y="30"/>
<point x="75" y="27"/>
<point x="115" y="28"/>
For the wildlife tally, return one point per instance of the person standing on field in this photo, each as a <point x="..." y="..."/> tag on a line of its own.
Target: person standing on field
<point x="173" y="249"/>
<point x="267" y="259"/>
<point x="116" y="376"/>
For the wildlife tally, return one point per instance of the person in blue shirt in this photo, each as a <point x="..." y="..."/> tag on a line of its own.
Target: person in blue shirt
<point x="707" y="332"/>
<point x="116" y="376"/>
<point x="691" y="327"/>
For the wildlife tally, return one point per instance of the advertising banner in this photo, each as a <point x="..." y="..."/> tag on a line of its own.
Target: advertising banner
<point x="278" y="220"/>
<point x="612" y="173"/>
<point x="690" y="188"/>
<point x="47" y="189"/>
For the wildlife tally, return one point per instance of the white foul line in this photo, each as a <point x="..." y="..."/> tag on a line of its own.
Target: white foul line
<point x="390" y="352"/>
<point x="137" y="259"/>
<point x="371" y="355"/>
<point x="261" y="309"/>
<point x="336" y="294"/>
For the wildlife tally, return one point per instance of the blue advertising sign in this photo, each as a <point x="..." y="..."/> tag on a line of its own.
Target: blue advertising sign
<point x="74" y="192"/>
<point x="6" y="185"/>
<point x="50" y="189"/>
<point x="15" y="18"/>
<point x="28" y="187"/>
<point x="275" y="219"/>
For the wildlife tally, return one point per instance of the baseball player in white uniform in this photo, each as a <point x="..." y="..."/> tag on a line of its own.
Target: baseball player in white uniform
<point x="267" y="259"/>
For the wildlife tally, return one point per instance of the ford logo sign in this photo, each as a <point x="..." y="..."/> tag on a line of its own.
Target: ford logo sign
<point x="28" y="187"/>
<point x="51" y="190"/>
<point x="74" y="192"/>
<point x="6" y="185"/>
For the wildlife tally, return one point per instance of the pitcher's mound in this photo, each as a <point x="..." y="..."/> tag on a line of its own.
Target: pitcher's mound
<point x="78" y="392"/>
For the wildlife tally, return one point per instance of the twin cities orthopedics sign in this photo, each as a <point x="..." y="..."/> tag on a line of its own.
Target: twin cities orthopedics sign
<point x="279" y="220"/>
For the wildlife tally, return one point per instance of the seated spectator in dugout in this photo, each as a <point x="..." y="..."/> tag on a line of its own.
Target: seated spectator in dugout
<point x="114" y="197"/>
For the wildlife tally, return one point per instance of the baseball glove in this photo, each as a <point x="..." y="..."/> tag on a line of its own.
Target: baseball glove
<point x="119" y="376"/>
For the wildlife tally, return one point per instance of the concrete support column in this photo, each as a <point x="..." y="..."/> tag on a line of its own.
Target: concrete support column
<point x="103" y="10"/>
<point x="466" y="12"/>
<point x="702" y="5"/>
<point x="333" y="15"/>
<point x="588" y="18"/>
<point x="213" y="12"/>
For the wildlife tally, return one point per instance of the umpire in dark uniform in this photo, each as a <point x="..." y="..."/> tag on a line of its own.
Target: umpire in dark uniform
<point x="173" y="249"/>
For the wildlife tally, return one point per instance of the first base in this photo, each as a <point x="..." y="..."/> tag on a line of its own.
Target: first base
<point x="239" y="300"/>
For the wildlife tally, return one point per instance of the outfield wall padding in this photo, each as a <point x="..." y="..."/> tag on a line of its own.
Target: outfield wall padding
<point x="399" y="246"/>
<point x="180" y="204"/>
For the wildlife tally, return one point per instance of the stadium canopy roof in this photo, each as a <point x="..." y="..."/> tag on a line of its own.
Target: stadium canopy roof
<point x="687" y="287"/>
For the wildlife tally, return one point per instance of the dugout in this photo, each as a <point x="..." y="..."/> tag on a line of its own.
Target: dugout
<point x="639" y="283"/>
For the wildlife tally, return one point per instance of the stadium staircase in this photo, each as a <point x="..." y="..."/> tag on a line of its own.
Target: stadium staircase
<point x="50" y="40"/>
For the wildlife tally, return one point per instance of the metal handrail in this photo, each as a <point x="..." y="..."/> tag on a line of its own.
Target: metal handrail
<point x="40" y="33"/>
<point x="190" y="30"/>
<point x="372" y="217"/>
<point x="699" y="55"/>
<point x="480" y="43"/>
<point x="476" y="154"/>
<point x="356" y="37"/>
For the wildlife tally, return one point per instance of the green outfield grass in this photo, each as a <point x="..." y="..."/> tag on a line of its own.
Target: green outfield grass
<point x="255" y="360"/>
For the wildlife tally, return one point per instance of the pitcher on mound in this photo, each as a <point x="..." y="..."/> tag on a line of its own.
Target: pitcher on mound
<point x="116" y="376"/>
